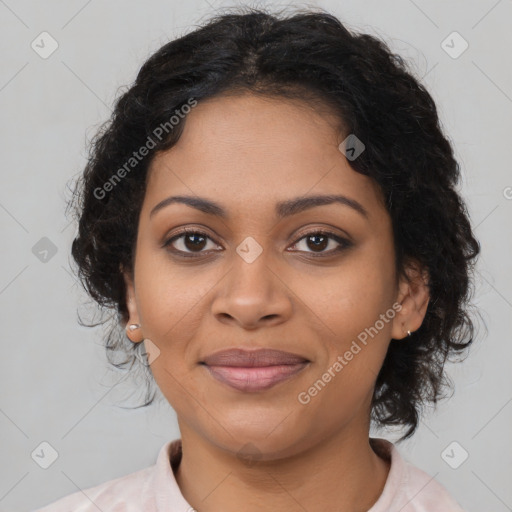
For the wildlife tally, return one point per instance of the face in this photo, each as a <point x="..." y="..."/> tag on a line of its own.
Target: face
<point x="267" y="273"/>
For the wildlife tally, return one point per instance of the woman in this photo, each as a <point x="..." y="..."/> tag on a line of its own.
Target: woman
<point x="273" y="213"/>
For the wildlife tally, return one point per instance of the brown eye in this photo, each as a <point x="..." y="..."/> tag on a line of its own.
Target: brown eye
<point x="194" y="242"/>
<point x="318" y="241"/>
<point x="188" y="242"/>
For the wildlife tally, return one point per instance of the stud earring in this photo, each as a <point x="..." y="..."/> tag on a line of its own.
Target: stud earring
<point x="409" y="333"/>
<point x="133" y="327"/>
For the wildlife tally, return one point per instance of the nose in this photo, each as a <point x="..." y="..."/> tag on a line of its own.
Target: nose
<point x="253" y="295"/>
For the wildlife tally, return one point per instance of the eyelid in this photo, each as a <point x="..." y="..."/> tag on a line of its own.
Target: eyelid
<point x="184" y="231"/>
<point x="198" y="229"/>
<point x="344" y="242"/>
<point x="325" y="230"/>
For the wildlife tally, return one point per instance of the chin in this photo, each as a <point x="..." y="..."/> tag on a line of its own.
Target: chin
<point x="263" y="433"/>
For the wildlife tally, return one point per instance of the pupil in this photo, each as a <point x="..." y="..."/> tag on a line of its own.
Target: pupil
<point x="194" y="246"/>
<point x="317" y="245"/>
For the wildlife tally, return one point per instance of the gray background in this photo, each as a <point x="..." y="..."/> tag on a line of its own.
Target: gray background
<point x="56" y="385"/>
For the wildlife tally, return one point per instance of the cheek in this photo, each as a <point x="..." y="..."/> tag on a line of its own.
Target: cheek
<point x="352" y="297"/>
<point x="350" y="304"/>
<point x="170" y="297"/>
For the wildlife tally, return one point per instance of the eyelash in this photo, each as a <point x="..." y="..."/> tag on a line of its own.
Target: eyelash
<point x="344" y="243"/>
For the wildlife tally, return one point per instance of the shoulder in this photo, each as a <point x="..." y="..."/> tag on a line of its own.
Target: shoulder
<point x="424" y="493"/>
<point x="408" y="488"/>
<point x="132" y="492"/>
<point x="113" y="495"/>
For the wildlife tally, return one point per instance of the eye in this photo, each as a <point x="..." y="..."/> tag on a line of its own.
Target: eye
<point x="318" y="241"/>
<point x="189" y="241"/>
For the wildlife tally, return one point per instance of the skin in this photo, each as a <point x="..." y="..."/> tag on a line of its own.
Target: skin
<point x="247" y="153"/>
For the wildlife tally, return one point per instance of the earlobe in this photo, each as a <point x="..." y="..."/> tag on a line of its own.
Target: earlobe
<point x="133" y="327"/>
<point x="413" y="296"/>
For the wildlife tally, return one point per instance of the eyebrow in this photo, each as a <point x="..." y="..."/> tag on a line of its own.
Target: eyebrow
<point x="283" y="208"/>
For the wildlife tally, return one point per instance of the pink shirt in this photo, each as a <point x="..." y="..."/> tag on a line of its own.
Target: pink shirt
<point x="154" y="489"/>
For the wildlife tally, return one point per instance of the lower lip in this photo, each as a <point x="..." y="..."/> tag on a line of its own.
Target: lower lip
<point x="254" y="378"/>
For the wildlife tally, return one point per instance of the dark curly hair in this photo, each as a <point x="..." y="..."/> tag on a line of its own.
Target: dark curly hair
<point x="308" y="55"/>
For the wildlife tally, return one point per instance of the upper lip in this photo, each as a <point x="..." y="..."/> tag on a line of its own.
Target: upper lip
<point x="252" y="358"/>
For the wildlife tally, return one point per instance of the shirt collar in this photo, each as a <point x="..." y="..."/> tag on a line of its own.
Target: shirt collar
<point x="164" y="493"/>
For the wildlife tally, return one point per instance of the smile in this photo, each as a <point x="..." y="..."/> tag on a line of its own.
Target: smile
<point x="258" y="378"/>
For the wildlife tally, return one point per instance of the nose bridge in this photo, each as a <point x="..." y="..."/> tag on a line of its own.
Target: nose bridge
<point x="252" y="291"/>
<point x="251" y="268"/>
<point x="251" y="275"/>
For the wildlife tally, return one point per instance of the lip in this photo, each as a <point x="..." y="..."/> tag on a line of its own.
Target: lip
<point x="253" y="370"/>
<point x="252" y="358"/>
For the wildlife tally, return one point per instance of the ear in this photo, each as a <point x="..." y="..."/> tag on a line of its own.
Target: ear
<point x="136" y="335"/>
<point x="413" y="296"/>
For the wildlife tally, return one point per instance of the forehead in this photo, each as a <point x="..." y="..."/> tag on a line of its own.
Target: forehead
<point x="248" y="149"/>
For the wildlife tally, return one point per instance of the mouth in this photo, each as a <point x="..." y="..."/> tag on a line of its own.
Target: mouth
<point x="253" y="370"/>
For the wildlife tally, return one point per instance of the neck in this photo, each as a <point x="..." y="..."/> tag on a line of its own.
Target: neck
<point x="340" y="473"/>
